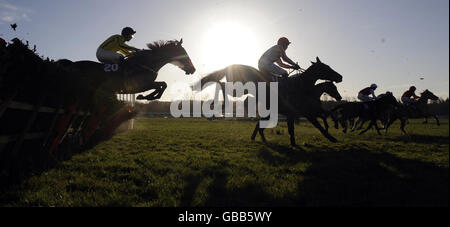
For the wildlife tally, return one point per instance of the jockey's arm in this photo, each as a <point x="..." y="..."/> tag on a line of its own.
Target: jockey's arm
<point x="282" y="65"/>
<point x="373" y="94"/>
<point x="125" y="52"/>
<point x="124" y="46"/>
<point x="287" y="59"/>
<point x="415" y="96"/>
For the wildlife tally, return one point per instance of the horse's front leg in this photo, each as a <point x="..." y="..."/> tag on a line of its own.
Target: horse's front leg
<point x="255" y="131"/>
<point x="261" y="132"/>
<point x="316" y="124"/>
<point x="159" y="87"/>
<point x="402" y="124"/>
<point x="377" y="128"/>
<point x="389" y="123"/>
<point x="325" y="122"/>
<point x="290" y="123"/>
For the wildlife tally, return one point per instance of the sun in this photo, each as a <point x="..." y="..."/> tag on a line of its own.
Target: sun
<point x="229" y="43"/>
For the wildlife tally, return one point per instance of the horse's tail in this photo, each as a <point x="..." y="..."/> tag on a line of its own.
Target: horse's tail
<point x="212" y="77"/>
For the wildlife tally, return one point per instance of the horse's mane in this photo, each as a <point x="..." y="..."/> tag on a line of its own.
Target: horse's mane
<point x="161" y="44"/>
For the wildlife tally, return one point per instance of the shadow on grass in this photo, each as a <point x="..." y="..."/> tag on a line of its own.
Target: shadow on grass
<point x="426" y="139"/>
<point x="351" y="177"/>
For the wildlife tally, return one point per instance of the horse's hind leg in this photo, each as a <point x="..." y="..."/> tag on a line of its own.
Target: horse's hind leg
<point x="261" y="133"/>
<point x="344" y="126"/>
<point x="363" y="121"/>
<point x="437" y="120"/>
<point x="355" y="125"/>
<point x="377" y="128"/>
<point x="255" y="131"/>
<point x="368" y="127"/>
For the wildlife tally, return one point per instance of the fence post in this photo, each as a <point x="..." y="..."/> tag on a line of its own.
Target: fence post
<point x="8" y="101"/>
<point x="16" y="154"/>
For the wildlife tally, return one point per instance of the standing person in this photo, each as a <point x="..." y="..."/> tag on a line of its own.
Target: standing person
<point x="107" y="52"/>
<point x="364" y="94"/>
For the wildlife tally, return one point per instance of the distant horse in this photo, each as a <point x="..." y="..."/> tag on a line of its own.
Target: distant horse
<point x="138" y="72"/>
<point x="310" y="107"/>
<point x="377" y="108"/>
<point x="413" y="110"/>
<point x="345" y="114"/>
<point x="244" y="74"/>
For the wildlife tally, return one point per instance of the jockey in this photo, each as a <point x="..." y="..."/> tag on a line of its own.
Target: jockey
<point x="406" y="97"/>
<point x="107" y="51"/>
<point x="274" y="55"/>
<point x="363" y="95"/>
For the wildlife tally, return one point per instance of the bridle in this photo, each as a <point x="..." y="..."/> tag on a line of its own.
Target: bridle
<point x="299" y="71"/>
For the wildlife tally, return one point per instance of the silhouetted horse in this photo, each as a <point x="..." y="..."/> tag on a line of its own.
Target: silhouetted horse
<point x="413" y="110"/>
<point x="300" y="103"/>
<point x="376" y="108"/>
<point x="346" y="113"/>
<point x="138" y="72"/>
<point x="244" y="74"/>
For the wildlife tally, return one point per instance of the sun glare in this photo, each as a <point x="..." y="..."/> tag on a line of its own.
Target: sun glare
<point x="229" y="43"/>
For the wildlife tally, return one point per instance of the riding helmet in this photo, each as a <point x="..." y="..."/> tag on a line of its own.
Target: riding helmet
<point x="373" y="86"/>
<point x="128" y="31"/>
<point x="283" y="41"/>
<point x="412" y="88"/>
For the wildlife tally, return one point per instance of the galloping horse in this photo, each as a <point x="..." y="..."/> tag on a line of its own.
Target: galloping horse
<point x="301" y="93"/>
<point x="245" y="73"/>
<point x="377" y="108"/>
<point x="413" y="110"/>
<point x="304" y="102"/>
<point x="138" y="72"/>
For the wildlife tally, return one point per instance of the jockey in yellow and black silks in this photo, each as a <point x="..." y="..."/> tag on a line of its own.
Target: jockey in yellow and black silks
<point x="114" y="49"/>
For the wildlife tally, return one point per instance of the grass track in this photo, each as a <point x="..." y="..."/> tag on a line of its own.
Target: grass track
<point x="196" y="162"/>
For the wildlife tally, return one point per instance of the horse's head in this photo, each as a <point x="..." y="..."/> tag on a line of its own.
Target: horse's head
<point x="332" y="90"/>
<point x="428" y="95"/>
<point x="323" y="71"/>
<point x="174" y="53"/>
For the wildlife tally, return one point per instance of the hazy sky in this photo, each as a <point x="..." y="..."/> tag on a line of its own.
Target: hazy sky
<point x="389" y="42"/>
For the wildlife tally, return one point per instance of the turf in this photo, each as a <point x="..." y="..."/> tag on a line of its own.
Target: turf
<point x="197" y="162"/>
